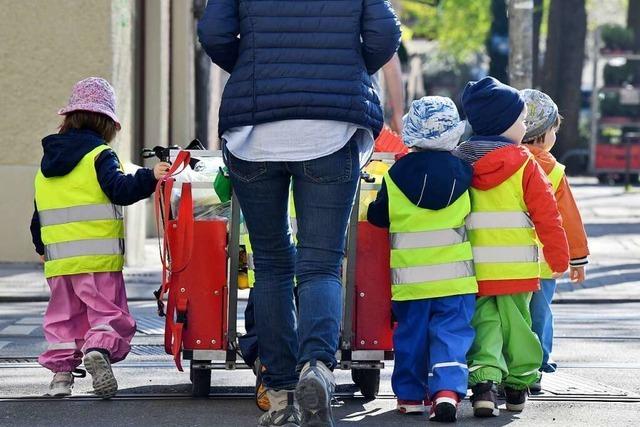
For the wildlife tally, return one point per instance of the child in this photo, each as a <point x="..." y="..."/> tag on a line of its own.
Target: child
<point x="542" y="123"/>
<point x="509" y="197"/>
<point x="424" y="202"/>
<point x="78" y="230"/>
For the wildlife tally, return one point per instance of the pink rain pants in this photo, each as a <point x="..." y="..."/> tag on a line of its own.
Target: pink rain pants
<point x="86" y="311"/>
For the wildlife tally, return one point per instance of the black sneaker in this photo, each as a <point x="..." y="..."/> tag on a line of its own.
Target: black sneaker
<point x="485" y="400"/>
<point x="536" y="388"/>
<point x="515" y="399"/>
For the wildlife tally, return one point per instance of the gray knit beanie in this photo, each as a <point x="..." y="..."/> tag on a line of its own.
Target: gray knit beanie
<point x="542" y="113"/>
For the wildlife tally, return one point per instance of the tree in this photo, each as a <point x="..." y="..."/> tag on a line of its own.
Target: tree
<point x="498" y="41"/>
<point x="459" y="26"/>
<point x="538" y="9"/>
<point x="633" y="22"/>
<point x="520" y="44"/>
<point x="563" y="63"/>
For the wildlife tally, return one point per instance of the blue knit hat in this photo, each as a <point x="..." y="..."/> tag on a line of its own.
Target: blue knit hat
<point x="491" y="107"/>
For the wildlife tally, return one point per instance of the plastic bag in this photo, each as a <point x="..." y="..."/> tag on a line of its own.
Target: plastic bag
<point x="207" y="204"/>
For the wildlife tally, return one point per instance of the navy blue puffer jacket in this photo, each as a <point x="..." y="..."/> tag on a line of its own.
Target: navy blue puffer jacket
<point x="299" y="59"/>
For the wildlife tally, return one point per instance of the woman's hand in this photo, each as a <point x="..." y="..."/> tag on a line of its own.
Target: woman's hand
<point x="161" y="169"/>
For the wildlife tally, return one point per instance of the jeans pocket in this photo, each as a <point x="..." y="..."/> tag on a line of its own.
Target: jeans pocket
<point x="336" y="168"/>
<point x="242" y="169"/>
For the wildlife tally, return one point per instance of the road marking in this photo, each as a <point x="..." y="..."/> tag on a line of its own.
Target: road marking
<point x="4" y="343"/>
<point x="30" y="321"/>
<point x="19" y="329"/>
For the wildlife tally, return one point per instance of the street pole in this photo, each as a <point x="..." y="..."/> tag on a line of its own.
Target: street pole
<point x="521" y="43"/>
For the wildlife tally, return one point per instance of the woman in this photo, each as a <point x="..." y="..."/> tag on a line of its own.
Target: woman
<point x="298" y="112"/>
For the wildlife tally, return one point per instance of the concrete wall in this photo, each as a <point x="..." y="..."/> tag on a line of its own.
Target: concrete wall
<point x="46" y="47"/>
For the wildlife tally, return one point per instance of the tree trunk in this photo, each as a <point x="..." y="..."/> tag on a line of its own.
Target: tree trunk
<point x="538" y="9"/>
<point x="520" y="43"/>
<point x="498" y="41"/>
<point x="633" y="22"/>
<point x="563" y="64"/>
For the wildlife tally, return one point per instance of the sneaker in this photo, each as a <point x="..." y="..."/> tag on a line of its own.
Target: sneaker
<point x="515" y="399"/>
<point x="314" y="392"/>
<point x="485" y="400"/>
<point x="536" y="388"/>
<point x="98" y="365"/>
<point x="262" y="398"/>
<point x="61" y="384"/>
<point x="411" y="407"/>
<point x="283" y="410"/>
<point x="445" y="407"/>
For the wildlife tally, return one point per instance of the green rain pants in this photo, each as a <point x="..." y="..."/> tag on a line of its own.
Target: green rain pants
<point x="505" y="349"/>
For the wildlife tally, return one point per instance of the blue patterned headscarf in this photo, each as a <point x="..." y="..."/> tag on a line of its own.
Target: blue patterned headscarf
<point x="433" y="123"/>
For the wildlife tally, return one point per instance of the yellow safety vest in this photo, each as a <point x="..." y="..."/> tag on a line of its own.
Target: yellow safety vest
<point x="501" y="232"/>
<point x="555" y="176"/>
<point x="431" y="256"/>
<point x="83" y="232"/>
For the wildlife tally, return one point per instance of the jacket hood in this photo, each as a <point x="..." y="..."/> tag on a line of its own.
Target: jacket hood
<point x="431" y="179"/>
<point x="545" y="159"/>
<point x="499" y="165"/>
<point x="62" y="152"/>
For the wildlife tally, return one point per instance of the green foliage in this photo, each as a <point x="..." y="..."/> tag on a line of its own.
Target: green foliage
<point x="617" y="37"/>
<point x="460" y="26"/>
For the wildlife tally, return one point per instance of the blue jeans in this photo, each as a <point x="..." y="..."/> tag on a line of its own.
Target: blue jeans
<point x="323" y="193"/>
<point x="431" y="344"/>
<point x="542" y="321"/>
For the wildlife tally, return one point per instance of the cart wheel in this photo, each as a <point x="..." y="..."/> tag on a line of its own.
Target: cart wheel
<point x="355" y="376"/>
<point x="368" y="380"/>
<point x="201" y="381"/>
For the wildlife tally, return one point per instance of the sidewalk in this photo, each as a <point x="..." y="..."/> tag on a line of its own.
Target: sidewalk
<point x="26" y="282"/>
<point x="611" y="216"/>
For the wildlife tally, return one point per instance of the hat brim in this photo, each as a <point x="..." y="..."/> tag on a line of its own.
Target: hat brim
<point x="91" y="108"/>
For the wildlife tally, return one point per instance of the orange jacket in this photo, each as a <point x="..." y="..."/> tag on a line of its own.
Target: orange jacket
<point x="571" y="219"/>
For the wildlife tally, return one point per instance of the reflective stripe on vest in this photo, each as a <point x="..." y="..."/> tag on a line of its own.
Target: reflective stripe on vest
<point x="555" y="176"/>
<point x="79" y="213"/>
<point x="487" y="220"/>
<point x="430" y="254"/>
<point x="430" y="273"/>
<point x="501" y="232"/>
<point x="85" y="247"/>
<point x="428" y="239"/>
<point x="500" y="254"/>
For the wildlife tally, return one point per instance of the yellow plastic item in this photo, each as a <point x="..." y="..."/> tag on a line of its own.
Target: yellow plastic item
<point x="375" y="169"/>
<point x="243" y="280"/>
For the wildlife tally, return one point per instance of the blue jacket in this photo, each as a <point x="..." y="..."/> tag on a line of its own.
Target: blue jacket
<point x="430" y="179"/>
<point x="299" y="59"/>
<point x="62" y="152"/>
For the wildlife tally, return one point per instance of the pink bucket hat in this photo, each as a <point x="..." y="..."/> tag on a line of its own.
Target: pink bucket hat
<point x="93" y="94"/>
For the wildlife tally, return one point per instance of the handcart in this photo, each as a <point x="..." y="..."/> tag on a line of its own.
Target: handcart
<point x="200" y="259"/>
<point x="367" y="329"/>
<point x="201" y="264"/>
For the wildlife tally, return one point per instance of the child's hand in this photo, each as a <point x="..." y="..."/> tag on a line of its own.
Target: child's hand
<point x="161" y="169"/>
<point x="42" y="259"/>
<point x="577" y="274"/>
<point x="557" y="275"/>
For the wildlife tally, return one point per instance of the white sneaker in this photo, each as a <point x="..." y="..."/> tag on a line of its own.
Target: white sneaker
<point x="283" y="410"/>
<point x="61" y="384"/>
<point x="314" y="392"/>
<point x="98" y="365"/>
